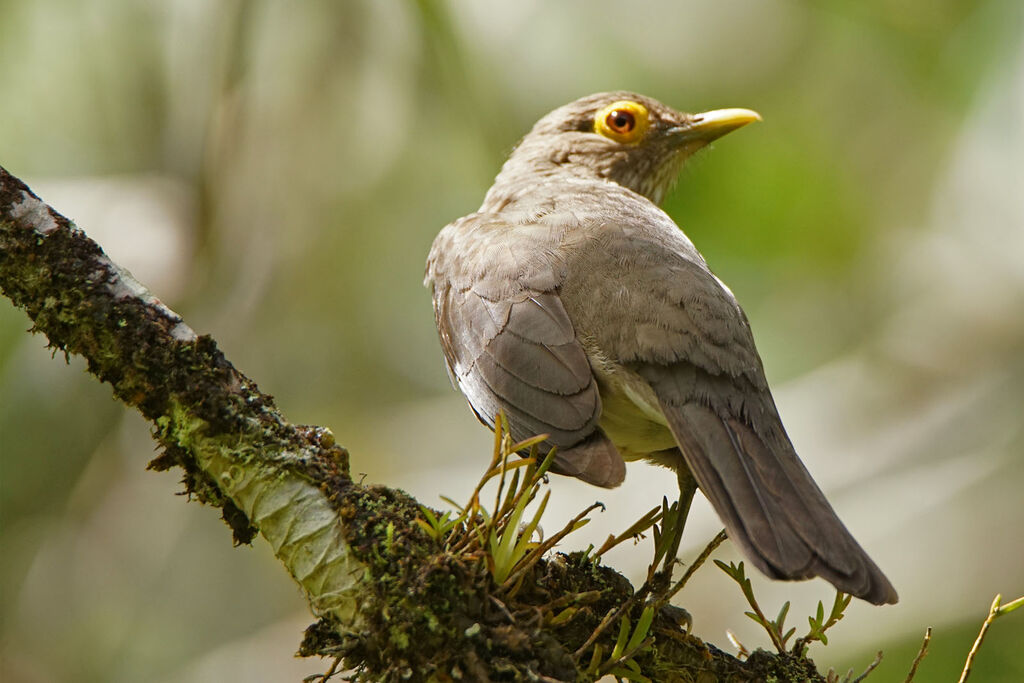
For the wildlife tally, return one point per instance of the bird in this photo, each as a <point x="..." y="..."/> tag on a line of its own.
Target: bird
<point x="572" y="304"/>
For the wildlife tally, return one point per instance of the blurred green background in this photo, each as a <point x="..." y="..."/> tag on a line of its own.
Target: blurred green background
<point x="276" y="172"/>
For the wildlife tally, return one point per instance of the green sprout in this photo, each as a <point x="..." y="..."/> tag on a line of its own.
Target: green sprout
<point x="501" y="538"/>
<point x="776" y="628"/>
<point x="631" y="641"/>
<point x="819" y="624"/>
<point x="439" y="526"/>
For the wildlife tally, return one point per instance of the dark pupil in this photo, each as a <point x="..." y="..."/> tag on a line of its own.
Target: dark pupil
<point x="621" y="121"/>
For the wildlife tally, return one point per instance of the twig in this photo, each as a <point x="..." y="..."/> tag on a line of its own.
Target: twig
<point x="326" y="676"/>
<point x="504" y="609"/>
<point x="611" y="616"/>
<point x="741" y="650"/>
<point x="920" y="655"/>
<point x="758" y="615"/>
<point x="583" y="598"/>
<point x="775" y="637"/>
<point x="993" y="612"/>
<point x="871" y="667"/>
<point x="701" y="559"/>
<point x="638" y="527"/>
<point x="608" y="618"/>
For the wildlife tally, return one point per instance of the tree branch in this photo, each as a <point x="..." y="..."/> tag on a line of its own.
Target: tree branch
<point x="389" y="599"/>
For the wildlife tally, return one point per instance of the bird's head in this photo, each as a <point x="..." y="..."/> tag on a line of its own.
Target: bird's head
<point x="622" y="137"/>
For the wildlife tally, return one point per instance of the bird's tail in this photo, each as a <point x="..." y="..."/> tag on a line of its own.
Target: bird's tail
<point x="770" y="505"/>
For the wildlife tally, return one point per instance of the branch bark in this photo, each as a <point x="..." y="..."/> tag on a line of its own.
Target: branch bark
<point x="389" y="600"/>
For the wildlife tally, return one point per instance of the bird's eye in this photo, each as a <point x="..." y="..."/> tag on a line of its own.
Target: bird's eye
<point x="625" y="121"/>
<point x="622" y="122"/>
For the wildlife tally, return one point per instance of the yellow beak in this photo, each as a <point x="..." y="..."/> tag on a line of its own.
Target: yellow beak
<point x="714" y="124"/>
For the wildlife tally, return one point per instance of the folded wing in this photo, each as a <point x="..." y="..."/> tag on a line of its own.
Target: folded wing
<point x="519" y="354"/>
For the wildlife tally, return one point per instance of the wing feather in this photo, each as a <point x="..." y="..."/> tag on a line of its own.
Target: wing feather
<point x="520" y="355"/>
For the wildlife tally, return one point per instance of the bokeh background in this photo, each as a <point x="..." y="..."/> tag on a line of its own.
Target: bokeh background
<point x="276" y="172"/>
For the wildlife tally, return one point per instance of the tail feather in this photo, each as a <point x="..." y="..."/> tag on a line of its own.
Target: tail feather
<point x="770" y="505"/>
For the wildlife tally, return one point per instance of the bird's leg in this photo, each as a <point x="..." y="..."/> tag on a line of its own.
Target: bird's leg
<point x="674" y="529"/>
<point x="660" y="583"/>
<point x="687" y="487"/>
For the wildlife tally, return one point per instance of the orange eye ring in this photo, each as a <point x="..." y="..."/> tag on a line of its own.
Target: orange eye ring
<point x="624" y="121"/>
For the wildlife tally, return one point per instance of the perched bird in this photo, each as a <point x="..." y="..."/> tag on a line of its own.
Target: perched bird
<point x="574" y="304"/>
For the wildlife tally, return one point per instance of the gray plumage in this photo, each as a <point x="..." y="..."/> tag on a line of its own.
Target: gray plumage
<point x="574" y="304"/>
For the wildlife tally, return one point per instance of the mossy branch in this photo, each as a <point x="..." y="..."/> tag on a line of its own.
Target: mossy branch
<point x="390" y="599"/>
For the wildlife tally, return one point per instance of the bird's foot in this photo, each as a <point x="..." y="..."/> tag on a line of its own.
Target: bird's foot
<point x="679" y="616"/>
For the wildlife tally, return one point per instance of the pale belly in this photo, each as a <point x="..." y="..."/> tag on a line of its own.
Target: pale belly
<point x="630" y="416"/>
